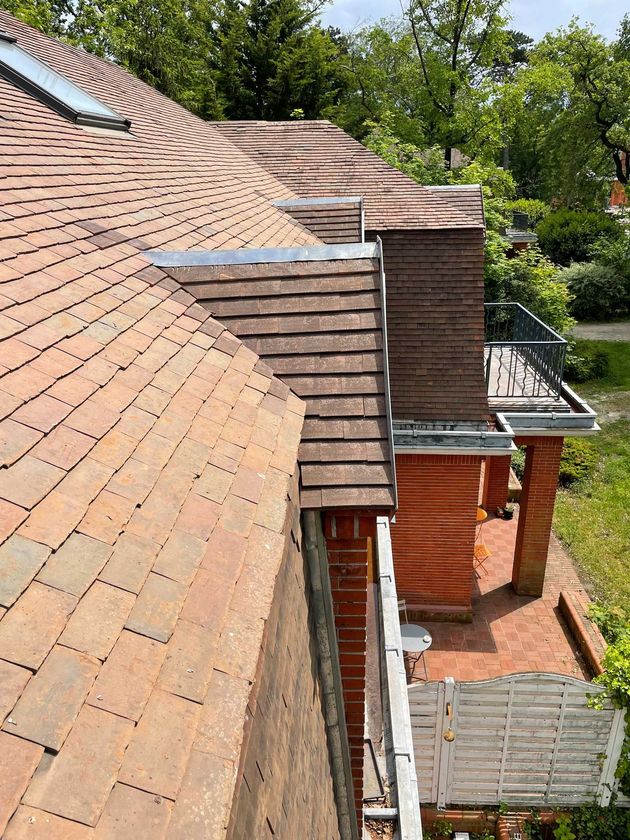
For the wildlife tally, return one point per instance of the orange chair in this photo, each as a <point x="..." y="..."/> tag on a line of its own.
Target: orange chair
<point x="480" y="556"/>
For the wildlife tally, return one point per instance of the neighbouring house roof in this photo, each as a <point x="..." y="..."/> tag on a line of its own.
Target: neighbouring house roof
<point x="315" y="158"/>
<point x="146" y="457"/>
<point x="317" y="322"/>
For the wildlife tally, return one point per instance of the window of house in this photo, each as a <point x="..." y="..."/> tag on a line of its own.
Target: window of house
<point x="42" y="82"/>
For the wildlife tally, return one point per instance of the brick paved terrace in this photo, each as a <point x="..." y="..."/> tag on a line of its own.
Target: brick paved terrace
<point x="509" y="633"/>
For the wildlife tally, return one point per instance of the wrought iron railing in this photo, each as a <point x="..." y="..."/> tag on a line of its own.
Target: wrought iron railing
<point x="523" y="356"/>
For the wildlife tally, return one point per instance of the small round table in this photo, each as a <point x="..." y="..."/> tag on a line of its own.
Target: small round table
<point x="416" y="640"/>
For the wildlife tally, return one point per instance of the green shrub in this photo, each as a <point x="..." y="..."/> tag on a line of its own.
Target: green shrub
<point x="615" y="254"/>
<point x="616" y="680"/>
<point x="535" y="209"/>
<point x="518" y="462"/>
<point x="579" y="458"/>
<point x="530" y="279"/>
<point x="567" y="236"/>
<point x="584" y="362"/>
<point x="597" y="291"/>
<point x="613" y="621"/>
<point x="591" y="822"/>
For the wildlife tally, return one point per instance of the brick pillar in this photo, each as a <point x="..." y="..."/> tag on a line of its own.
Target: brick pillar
<point x="496" y="482"/>
<point x="542" y="462"/>
<point x="349" y="538"/>
<point x="433" y="536"/>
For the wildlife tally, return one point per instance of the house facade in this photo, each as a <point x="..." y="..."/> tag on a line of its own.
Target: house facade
<point x="227" y="352"/>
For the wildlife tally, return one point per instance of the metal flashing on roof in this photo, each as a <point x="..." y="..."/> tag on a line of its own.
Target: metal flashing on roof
<point x="579" y="421"/>
<point x="40" y="81"/>
<point x="388" y="395"/>
<point x="253" y="256"/>
<point x="307" y="202"/>
<point x="468" y="438"/>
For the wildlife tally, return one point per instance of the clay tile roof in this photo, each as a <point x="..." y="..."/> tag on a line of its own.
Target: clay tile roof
<point x="318" y="324"/>
<point x="131" y="488"/>
<point x="315" y="158"/>
<point x="146" y="456"/>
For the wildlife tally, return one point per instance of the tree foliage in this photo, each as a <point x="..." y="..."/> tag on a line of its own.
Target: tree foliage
<point x="219" y="58"/>
<point x="574" y="135"/>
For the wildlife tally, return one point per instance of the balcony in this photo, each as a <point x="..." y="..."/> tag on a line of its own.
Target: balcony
<point x="524" y="358"/>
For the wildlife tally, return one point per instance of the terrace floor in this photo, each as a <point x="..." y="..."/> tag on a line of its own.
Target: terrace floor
<point x="509" y="633"/>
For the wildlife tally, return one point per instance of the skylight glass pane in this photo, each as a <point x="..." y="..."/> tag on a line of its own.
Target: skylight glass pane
<point x="34" y="76"/>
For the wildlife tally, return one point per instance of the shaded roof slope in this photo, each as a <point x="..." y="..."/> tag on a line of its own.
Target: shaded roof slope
<point x="318" y="324"/>
<point x="155" y="463"/>
<point x="315" y="158"/>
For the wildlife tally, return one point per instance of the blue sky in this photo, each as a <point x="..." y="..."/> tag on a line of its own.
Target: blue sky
<point x="534" y="17"/>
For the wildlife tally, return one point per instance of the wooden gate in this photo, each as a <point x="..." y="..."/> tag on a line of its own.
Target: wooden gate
<point x="526" y="739"/>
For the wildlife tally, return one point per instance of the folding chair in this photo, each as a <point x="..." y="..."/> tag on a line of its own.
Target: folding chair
<point x="402" y="608"/>
<point x="480" y="556"/>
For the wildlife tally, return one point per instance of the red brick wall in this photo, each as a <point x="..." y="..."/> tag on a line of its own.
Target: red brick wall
<point x="349" y="541"/>
<point x="435" y="324"/>
<point x="542" y="462"/>
<point x="496" y="482"/>
<point x="434" y="532"/>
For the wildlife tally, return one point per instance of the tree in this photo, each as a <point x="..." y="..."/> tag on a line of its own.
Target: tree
<point x="47" y="15"/>
<point x="162" y="42"/>
<point x="576" y="128"/>
<point x="272" y="58"/>
<point x="457" y="43"/>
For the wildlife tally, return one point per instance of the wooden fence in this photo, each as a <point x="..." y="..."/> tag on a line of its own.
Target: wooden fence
<point x="523" y="739"/>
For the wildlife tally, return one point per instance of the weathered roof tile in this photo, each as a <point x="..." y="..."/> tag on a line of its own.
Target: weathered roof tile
<point x="51" y="701"/>
<point x="76" y="782"/>
<point x="127" y="677"/>
<point x="159" y="750"/>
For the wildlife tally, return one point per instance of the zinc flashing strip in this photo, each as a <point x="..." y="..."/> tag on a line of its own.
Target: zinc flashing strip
<point x="255" y="256"/>
<point x="388" y="398"/>
<point x="456" y="440"/>
<point x="308" y="202"/>
<point x="582" y="420"/>
<point x="396" y="719"/>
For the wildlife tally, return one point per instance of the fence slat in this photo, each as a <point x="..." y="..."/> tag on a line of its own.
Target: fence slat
<point x="528" y="739"/>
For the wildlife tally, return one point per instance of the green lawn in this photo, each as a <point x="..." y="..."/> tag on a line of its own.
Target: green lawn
<point x="593" y="517"/>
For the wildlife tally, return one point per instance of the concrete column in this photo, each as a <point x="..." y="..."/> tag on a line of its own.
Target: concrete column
<point x="542" y="462"/>
<point x="496" y="482"/>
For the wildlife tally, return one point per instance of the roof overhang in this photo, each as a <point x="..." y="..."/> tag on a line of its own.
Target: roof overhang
<point x="581" y="420"/>
<point x="457" y="439"/>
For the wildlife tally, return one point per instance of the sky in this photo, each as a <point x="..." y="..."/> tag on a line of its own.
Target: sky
<point x="534" y="17"/>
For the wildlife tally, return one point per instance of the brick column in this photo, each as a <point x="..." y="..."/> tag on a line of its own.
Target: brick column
<point x="542" y="462"/>
<point x="433" y="536"/>
<point x="495" y="482"/>
<point x="349" y="537"/>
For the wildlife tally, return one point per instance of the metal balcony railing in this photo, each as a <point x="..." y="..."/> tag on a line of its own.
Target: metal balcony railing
<point x="523" y="356"/>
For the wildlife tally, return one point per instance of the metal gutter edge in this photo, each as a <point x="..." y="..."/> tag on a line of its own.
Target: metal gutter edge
<point x="397" y="724"/>
<point x="454" y="441"/>
<point x="388" y="397"/>
<point x="252" y="256"/>
<point x="330" y="673"/>
<point x="580" y="422"/>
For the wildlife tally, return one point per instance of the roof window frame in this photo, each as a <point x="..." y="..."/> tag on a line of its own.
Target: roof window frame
<point x="112" y="121"/>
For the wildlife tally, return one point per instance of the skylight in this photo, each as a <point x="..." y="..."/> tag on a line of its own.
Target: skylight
<point x="54" y="90"/>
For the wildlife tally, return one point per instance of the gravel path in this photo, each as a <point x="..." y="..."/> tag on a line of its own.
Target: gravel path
<point x="606" y="331"/>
